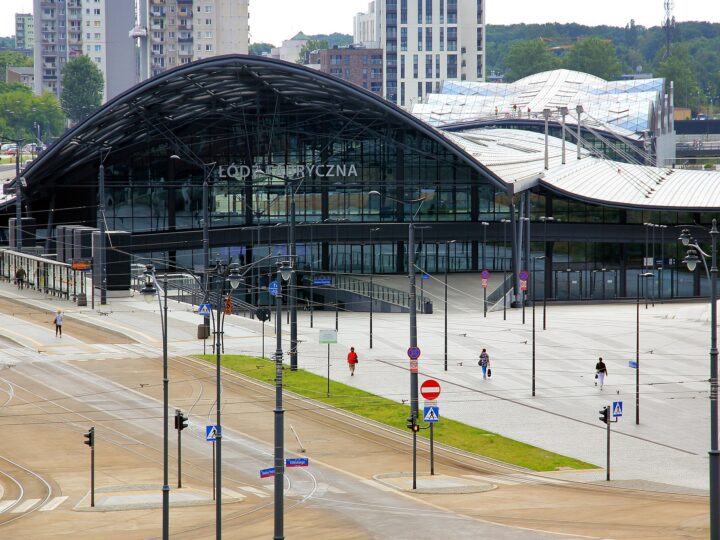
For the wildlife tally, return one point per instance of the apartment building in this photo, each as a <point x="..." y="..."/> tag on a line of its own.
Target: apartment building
<point x="176" y="32"/>
<point x="97" y="29"/>
<point x="358" y="65"/>
<point x="425" y="42"/>
<point x="24" y="31"/>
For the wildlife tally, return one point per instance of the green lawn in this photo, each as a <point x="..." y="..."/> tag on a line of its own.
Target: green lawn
<point x="394" y="414"/>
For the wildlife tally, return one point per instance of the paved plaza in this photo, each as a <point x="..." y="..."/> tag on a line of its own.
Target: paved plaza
<point x="669" y="446"/>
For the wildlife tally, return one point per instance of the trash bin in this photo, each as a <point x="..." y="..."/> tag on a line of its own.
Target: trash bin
<point x="428" y="307"/>
<point x="82" y="299"/>
<point x="203" y="331"/>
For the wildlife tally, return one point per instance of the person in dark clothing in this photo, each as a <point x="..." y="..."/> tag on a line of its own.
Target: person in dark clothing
<point x="600" y="372"/>
<point x="20" y="277"/>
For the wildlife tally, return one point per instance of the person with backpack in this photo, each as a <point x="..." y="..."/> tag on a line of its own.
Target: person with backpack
<point x="352" y="360"/>
<point x="484" y="363"/>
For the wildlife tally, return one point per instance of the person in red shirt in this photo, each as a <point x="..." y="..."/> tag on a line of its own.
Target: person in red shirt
<point x="352" y="360"/>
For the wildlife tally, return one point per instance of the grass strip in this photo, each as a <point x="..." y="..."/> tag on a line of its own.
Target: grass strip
<point x="385" y="411"/>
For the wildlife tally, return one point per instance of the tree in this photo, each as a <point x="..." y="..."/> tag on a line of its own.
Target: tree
<point x="25" y="115"/>
<point x="596" y="57"/>
<point x="13" y="59"/>
<point x="82" y="88"/>
<point x="258" y="49"/>
<point x="680" y="69"/>
<point x="527" y="58"/>
<point x="310" y="46"/>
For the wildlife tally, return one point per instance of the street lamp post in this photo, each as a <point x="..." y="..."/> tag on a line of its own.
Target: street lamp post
<point x="372" y="271"/>
<point x="447" y="266"/>
<point x="504" y="222"/>
<point x="18" y="195"/>
<point x="149" y="292"/>
<point x="422" y="278"/>
<point x="413" y="320"/>
<point x="539" y="257"/>
<point x="546" y="275"/>
<point x="484" y="225"/>
<point x="284" y="273"/>
<point x="691" y="260"/>
<point x="524" y="293"/>
<point x="637" y="346"/>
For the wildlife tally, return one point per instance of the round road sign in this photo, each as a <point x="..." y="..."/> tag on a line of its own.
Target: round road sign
<point x="485" y="274"/>
<point x="273" y="288"/>
<point x="413" y="353"/>
<point x="524" y="275"/>
<point x="430" y="389"/>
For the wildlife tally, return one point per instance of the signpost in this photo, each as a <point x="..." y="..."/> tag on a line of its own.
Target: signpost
<point x="485" y="277"/>
<point x="205" y="310"/>
<point x="633" y="364"/>
<point x="211" y="433"/>
<point x="322" y="281"/>
<point x="267" y="473"/>
<point x="616" y="411"/>
<point x="273" y="288"/>
<point x="328" y="337"/>
<point x="413" y="353"/>
<point x="430" y="390"/>
<point x="297" y="462"/>
<point x="523" y="275"/>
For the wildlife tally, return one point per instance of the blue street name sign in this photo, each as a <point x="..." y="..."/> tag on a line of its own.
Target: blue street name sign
<point x="205" y="309"/>
<point x="322" y="281"/>
<point x="632" y="364"/>
<point x="297" y="462"/>
<point x="617" y="409"/>
<point x="273" y="288"/>
<point x="431" y="414"/>
<point x="413" y="353"/>
<point x="211" y="433"/>
<point x="425" y="276"/>
<point x="267" y="473"/>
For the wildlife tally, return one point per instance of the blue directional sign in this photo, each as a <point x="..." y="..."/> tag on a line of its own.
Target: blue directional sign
<point x="322" y="281"/>
<point x="211" y="433"/>
<point x="267" y="473"/>
<point x="274" y="288"/>
<point x="297" y="462"/>
<point x="413" y="353"/>
<point x="425" y="276"/>
<point x="632" y="364"/>
<point x="431" y="414"/>
<point x="617" y="409"/>
<point x="205" y="310"/>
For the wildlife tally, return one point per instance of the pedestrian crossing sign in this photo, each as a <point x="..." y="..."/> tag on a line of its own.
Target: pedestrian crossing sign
<point x="205" y="310"/>
<point x="432" y="414"/>
<point x="617" y="409"/>
<point x="212" y="433"/>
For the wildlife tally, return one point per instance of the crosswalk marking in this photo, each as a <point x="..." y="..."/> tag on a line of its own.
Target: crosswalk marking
<point x="231" y="493"/>
<point x="53" y="504"/>
<point x="491" y="479"/>
<point x="4" y="505"/>
<point x="338" y="491"/>
<point x="378" y="485"/>
<point x="254" y="491"/>
<point x="514" y="479"/>
<point x="24" y="507"/>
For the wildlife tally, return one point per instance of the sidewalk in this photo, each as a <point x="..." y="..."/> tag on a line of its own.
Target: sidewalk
<point x="669" y="446"/>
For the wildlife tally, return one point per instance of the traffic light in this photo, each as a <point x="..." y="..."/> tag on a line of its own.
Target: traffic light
<point x="411" y="425"/>
<point x="228" y="305"/>
<point x="605" y="414"/>
<point x="181" y="420"/>
<point x="90" y="437"/>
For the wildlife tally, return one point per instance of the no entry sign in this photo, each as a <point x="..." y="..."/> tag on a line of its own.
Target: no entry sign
<point x="430" y="389"/>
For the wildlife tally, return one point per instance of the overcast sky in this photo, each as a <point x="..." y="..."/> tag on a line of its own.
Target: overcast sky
<point x="274" y="20"/>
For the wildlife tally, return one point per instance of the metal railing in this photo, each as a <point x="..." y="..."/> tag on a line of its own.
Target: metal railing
<point x="495" y="298"/>
<point x="42" y="274"/>
<point x="380" y="293"/>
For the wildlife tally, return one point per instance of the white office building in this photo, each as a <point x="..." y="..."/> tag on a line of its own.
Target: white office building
<point x="425" y="42"/>
<point x="97" y="29"/>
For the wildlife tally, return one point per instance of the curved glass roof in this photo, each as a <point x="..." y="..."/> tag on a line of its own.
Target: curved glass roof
<point x="622" y="107"/>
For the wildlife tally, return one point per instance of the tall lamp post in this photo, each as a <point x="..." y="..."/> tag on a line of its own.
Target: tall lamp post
<point x="504" y="222"/>
<point x="413" y="319"/>
<point x="547" y="276"/>
<point x="284" y="273"/>
<point x="337" y="262"/>
<point x="149" y="292"/>
<point x="484" y="225"/>
<point x="372" y="271"/>
<point x="222" y="273"/>
<point x="447" y="267"/>
<point x="539" y="257"/>
<point x="691" y="260"/>
<point x="637" y="345"/>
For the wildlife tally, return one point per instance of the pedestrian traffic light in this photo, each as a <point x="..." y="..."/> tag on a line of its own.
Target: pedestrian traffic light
<point x="412" y="425"/>
<point x="181" y="420"/>
<point x="90" y="437"/>
<point x="605" y="414"/>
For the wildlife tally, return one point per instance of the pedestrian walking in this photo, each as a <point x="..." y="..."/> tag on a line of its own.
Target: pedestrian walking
<point x="352" y="360"/>
<point x="20" y="277"/>
<point x="484" y="363"/>
<point x="58" y="323"/>
<point x="600" y="372"/>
